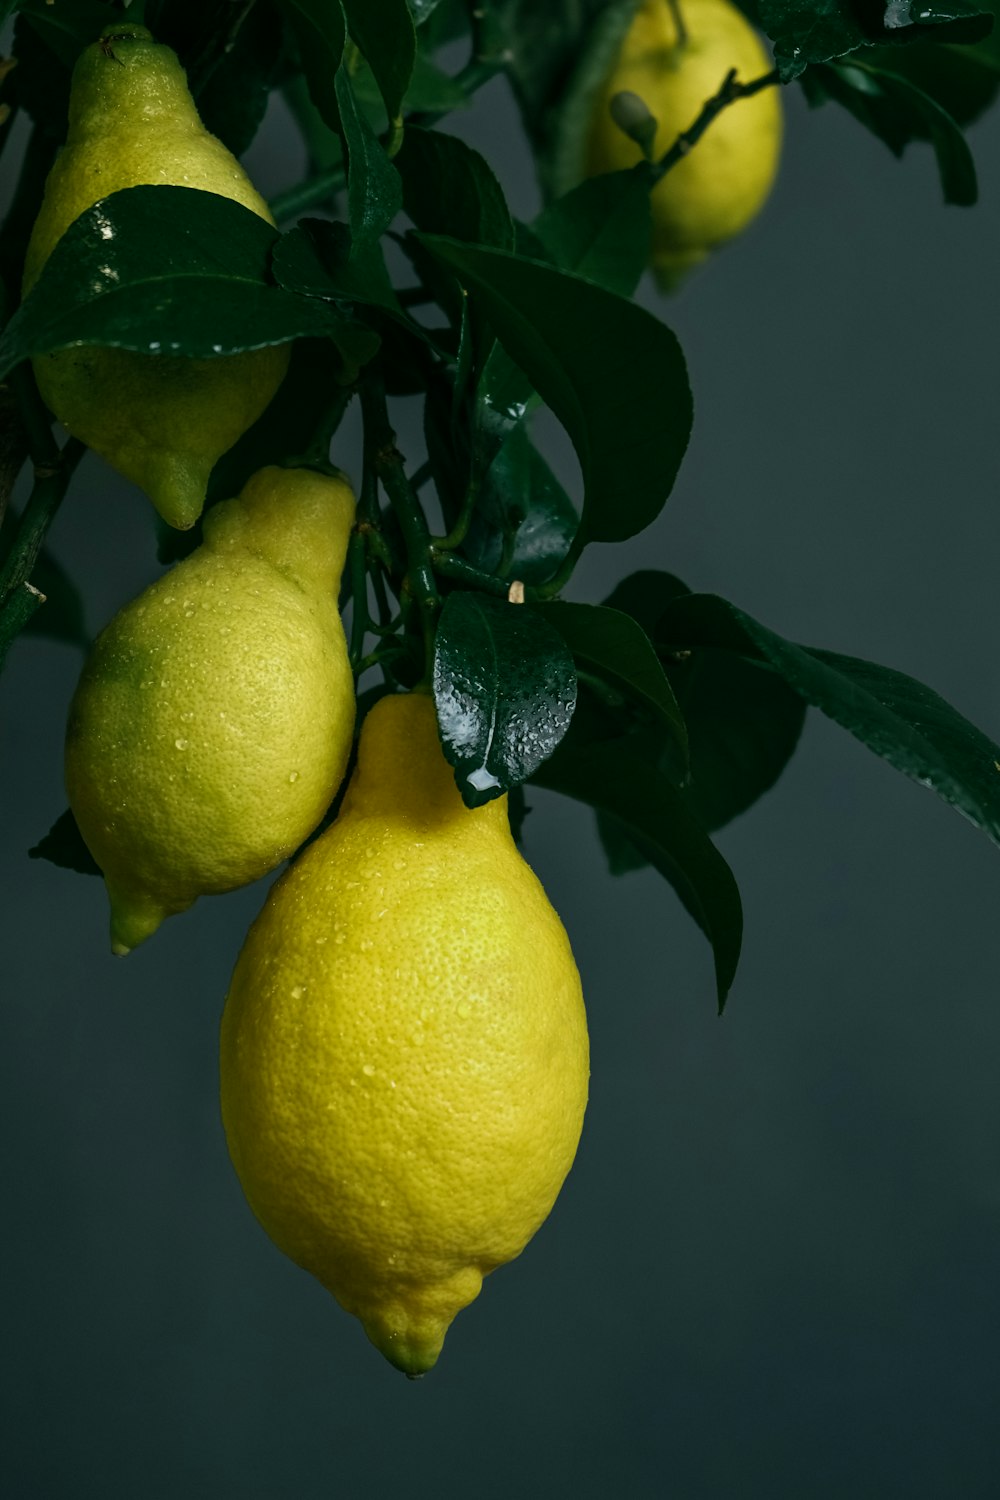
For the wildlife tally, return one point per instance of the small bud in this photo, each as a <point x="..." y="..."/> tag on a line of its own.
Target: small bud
<point x="632" y="116"/>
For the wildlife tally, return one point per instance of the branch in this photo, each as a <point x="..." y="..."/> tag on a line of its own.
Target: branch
<point x="730" y="91"/>
<point x="390" y="467"/>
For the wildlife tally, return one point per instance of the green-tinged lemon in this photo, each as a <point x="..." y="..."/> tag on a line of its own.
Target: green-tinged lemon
<point x="213" y="720"/>
<point x="161" y="420"/>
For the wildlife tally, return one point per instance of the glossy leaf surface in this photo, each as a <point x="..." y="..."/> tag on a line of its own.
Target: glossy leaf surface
<point x="505" y="689"/>
<point x="173" y="271"/>
<point x="811" y="31"/>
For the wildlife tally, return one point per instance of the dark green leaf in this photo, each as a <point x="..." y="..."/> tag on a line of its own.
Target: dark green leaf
<point x="613" y="375"/>
<point x="374" y="191"/>
<point x="171" y="271"/>
<point x="561" y="53"/>
<point x="898" y="718"/>
<point x="521" y="499"/>
<point x="898" y="112"/>
<point x="63" y="846"/>
<point x="320" y="31"/>
<point x="601" y="229"/>
<point x="645" y="595"/>
<point x="40" y="83"/>
<point x="743" y="724"/>
<point x="743" y="721"/>
<point x="383" y="30"/>
<point x="612" y="776"/>
<point x="615" y="646"/>
<point x="67" y="29"/>
<point x="317" y="259"/>
<point x="812" y="31"/>
<point x="964" y="81"/>
<point x="233" y="100"/>
<point x="449" y="189"/>
<point x="504" y="687"/>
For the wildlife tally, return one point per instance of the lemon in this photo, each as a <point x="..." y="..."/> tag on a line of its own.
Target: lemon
<point x="715" y="191"/>
<point x="213" y="720"/>
<point x="160" y="420"/>
<point x="404" y="1047"/>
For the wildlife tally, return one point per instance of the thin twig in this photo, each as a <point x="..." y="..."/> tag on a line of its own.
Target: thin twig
<point x="730" y="91"/>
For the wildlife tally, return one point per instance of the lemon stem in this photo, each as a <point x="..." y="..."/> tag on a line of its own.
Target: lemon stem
<point x="389" y="466"/>
<point x="730" y="91"/>
<point x="678" y="15"/>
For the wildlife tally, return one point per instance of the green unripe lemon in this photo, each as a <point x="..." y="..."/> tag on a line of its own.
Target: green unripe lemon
<point x="213" y="720"/>
<point x="161" y="420"/>
<point x="715" y="191"/>
<point x="404" y="1057"/>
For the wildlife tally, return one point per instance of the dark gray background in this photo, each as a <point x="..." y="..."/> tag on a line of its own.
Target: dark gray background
<point x="773" y="1270"/>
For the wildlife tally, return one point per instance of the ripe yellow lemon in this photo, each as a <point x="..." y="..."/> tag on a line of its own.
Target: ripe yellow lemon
<point x="715" y="191"/>
<point x="213" y="720"/>
<point x="161" y="420"/>
<point x="404" y="1047"/>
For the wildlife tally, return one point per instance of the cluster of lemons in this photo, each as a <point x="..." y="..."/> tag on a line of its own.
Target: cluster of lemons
<point x="404" y="1054"/>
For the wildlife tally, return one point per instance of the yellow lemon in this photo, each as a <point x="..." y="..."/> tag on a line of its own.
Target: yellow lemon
<point x="404" y="1046"/>
<point x="715" y="191"/>
<point x="161" y="420"/>
<point x="213" y="720"/>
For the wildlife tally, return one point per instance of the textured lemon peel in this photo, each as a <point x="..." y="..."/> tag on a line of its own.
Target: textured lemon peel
<point x="404" y="1047"/>
<point x="213" y="720"/>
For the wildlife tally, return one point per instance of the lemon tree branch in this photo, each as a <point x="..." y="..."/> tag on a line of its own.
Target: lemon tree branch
<point x="389" y="466"/>
<point x="730" y="91"/>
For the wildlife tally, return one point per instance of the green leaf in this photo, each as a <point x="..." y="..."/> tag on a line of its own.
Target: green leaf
<point x="964" y="81"/>
<point x="504" y="688"/>
<point x="317" y="259"/>
<point x="612" y="776"/>
<point x="561" y="53"/>
<point x="374" y="191"/>
<point x="169" y="271"/>
<point x="743" y="722"/>
<point x="233" y="101"/>
<point x="320" y="31"/>
<point x="448" y="188"/>
<point x="601" y="229"/>
<point x="898" y="112"/>
<point x="521" y="499"/>
<point x="383" y="30"/>
<point x="616" y="647"/>
<point x="614" y="376"/>
<point x="67" y="29"/>
<point x="814" y="31"/>
<point x="63" y="846"/>
<point x="900" y="719"/>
